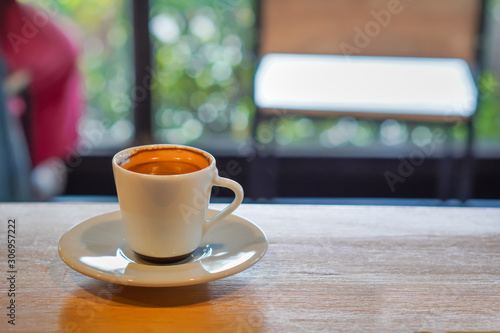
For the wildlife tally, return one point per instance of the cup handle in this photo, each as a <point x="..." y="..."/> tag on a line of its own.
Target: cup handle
<point x="238" y="198"/>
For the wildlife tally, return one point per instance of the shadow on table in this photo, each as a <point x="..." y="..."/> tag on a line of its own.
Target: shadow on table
<point x="96" y="306"/>
<point x="159" y="297"/>
<point x="102" y="292"/>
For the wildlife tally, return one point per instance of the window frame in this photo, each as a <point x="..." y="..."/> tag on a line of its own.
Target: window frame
<point x="96" y="168"/>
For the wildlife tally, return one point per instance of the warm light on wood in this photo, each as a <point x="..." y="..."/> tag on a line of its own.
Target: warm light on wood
<point x="327" y="269"/>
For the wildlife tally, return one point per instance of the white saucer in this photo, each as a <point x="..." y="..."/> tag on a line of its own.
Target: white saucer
<point x="97" y="248"/>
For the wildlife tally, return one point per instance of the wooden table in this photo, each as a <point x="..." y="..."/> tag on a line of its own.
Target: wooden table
<point x="328" y="268"/>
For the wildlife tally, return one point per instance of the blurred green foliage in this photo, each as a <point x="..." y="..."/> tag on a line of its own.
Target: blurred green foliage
<point x="204" y="53"/>
<point x="204" y="62"/>
<point x="102" y="30"/>
<point x="487" y="121"/>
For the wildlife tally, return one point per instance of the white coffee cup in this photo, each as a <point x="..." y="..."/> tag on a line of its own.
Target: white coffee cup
<point x="164" y="215"/>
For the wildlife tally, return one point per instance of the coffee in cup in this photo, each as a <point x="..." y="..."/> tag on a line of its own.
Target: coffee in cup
<point x="166" y="161"/>
<point x="163" y="193"/>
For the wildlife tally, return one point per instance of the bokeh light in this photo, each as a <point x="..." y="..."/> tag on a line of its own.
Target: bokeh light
<point x="210" y="55"/>
<point x="393" y="132"/>
<point x="421" y="136"/>
<point x="203" y="54"/>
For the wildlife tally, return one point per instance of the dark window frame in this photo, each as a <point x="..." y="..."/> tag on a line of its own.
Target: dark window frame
<point x="286" y="176"/>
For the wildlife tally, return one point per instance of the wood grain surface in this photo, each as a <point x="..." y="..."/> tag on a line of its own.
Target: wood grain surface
<point x="328" y="269"/>
<point x="424" y="28"/>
